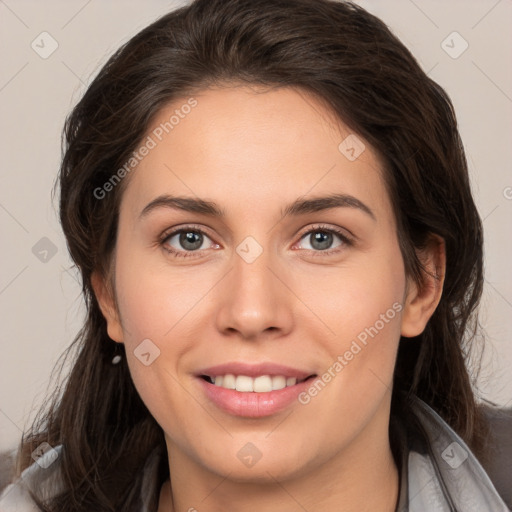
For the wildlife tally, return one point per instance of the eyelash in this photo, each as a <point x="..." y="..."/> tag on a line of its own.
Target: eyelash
<point x="319" y="228"/>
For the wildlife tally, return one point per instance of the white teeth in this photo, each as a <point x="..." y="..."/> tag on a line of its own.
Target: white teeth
<point x="244" y="383"/>
<point x="291" y="381"/>
<point x="228" y="381"/>
<point x="278" y="382"/>
<point x="261" y="384"/>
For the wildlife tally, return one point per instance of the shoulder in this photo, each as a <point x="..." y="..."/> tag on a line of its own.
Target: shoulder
<point x="442" y="470"/>
<point x="498" y="462"/>
<point x="40" y="481"/>
<point x="16" y="498"/>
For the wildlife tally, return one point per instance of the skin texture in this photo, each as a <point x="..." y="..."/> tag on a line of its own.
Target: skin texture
<point x="253" y="152"/>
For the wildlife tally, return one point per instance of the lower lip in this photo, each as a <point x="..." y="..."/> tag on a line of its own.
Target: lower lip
<point x="250" y="404"/>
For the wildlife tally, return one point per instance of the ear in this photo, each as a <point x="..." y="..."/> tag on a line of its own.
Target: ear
<point x="422" y="300"/>
<point x="104" y="296"/>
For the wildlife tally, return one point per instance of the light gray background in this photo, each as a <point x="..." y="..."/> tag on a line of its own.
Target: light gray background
<point x="40" y="301"/>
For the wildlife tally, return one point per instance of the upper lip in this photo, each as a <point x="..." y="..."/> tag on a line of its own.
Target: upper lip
<point x="254" y="370"/>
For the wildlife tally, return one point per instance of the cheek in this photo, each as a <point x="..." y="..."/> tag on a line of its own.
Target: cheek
<point x="153" y="300"/>
<point x="359" y="368"/>
<point x="156" y="309"/>
<point x="352" y="298"/>
<point x="362" y="306"/>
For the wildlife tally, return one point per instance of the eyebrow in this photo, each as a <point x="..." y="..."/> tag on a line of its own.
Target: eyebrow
<point x="302" y="206"/>
<point x="298" y="207"/>
<point x="187" y="204"/>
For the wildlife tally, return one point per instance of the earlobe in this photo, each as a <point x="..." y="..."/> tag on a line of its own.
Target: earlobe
<point x="105" y="299"/>
<point x="422" y="300"/>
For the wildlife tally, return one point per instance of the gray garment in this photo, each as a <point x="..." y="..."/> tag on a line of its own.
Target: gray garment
<point x="442" y="473"/>
<point x="438" y="474"/>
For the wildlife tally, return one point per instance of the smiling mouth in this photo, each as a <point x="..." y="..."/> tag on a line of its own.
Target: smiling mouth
<point x="260" y="384"/>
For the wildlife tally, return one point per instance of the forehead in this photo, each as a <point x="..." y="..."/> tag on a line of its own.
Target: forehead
<point x="253" y="146"/>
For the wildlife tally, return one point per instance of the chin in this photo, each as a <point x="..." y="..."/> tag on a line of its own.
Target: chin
<point x="267" y="469"/>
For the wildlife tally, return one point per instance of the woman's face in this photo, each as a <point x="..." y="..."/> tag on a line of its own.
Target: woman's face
<point x="257" y="245"/>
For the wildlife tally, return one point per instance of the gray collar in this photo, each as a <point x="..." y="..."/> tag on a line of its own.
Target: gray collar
<point x="439" y="472"/>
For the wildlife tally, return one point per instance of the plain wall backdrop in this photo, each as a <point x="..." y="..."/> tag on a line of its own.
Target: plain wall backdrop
<point x="51" y="50"/>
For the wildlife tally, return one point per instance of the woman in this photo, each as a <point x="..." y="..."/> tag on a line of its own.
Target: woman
<point x="281" y="258"/>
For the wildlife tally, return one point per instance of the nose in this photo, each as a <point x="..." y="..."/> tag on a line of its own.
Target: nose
<point x="254" y="301"/>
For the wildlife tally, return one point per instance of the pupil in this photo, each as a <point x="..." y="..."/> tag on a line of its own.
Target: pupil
<point x="321" y="240"/>
<point x="191" y="240"/>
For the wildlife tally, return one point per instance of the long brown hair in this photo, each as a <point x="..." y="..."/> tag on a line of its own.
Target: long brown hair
<point x="351" y="61"/>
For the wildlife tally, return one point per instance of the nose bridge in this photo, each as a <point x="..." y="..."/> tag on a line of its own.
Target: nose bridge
<point x="253" y="300"/>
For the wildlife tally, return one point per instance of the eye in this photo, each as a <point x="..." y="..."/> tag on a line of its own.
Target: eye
<point x="323" y="239"/>
<point x="186" y="241"/>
